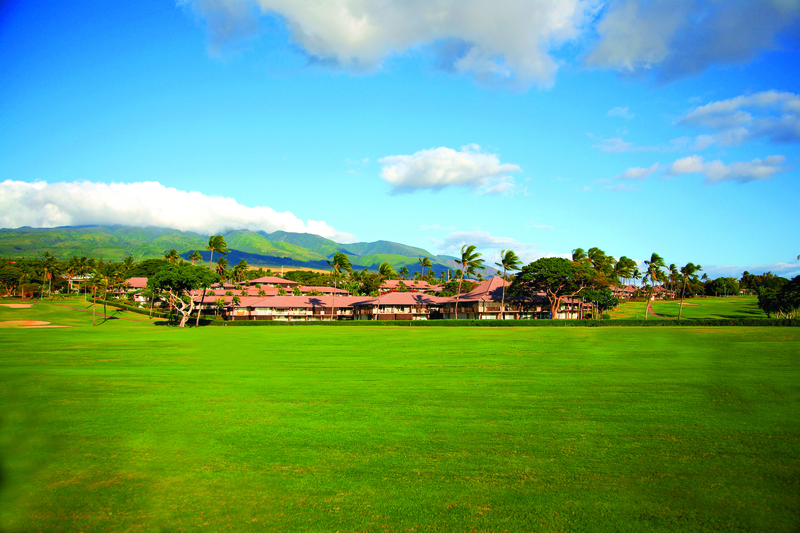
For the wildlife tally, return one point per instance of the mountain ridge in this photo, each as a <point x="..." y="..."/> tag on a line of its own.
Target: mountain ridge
<point x="259" y="248"/>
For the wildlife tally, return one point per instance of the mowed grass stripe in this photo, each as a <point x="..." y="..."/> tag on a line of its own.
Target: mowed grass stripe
<point x="375" y="429"/>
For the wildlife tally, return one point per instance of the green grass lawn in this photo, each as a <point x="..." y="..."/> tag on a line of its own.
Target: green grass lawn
<point x="711" y="307"/>
<point x="133" y="427"/>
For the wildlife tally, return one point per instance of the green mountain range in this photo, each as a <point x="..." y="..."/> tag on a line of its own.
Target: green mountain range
<point x="259" y="248"/>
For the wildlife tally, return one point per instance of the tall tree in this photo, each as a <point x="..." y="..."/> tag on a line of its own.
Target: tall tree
<point x="557" y="277"/>
<point x="216" y="243"/>
<point x="470" y="262"/>
<point x="508" y="262"/>
<point x="635" y="275"/>
<point x="654" y="266"/>
<point x="672" y="276"/>
<point x="579" y="255"/>
<point x="385" y="271"/>
<point x="172" y="256"/>
<point x="404" y="273"/>
<point x="339" y="263"/>
<point x="240" y="269"/>
<point x="178" y="281"/>
<point x="689" y="271"/>
<point x="624" y="268"/>
<point x="425" y="262"/>
<point x="195" y="256"/>
<point x="222" y="268"/>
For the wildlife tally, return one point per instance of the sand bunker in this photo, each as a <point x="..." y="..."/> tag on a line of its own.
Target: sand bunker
<point x="49" y="326"/>
<point x="17" y="306"/>
<point x="23" y="323"/>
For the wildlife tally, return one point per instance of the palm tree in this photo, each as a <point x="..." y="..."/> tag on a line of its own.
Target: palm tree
<point x="687" y="272"/>
<point x="98" y="280"/>
<point x="216" y="243"/>
<point x="385" y="271"/>
<point x="196" y="256"/>
<point x="579" y="255"/>
<point x="404" y="272"/>
<point x="425" y="262"/>
<point x="470" y="262"/>
<point x="221" y="268"/>
<point x="340" y="262"/>
<point x="624" y="267"/>
<point x="172" y="256"/>
<point x="240" y="268"/>
<point x="73" y="267"/>
<point x="508" y="261"/>
<point x="673" y="276"/>
<point x="654" y="266"/>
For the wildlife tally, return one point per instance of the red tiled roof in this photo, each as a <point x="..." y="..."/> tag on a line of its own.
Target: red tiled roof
<point x="489" y="290"/>
<point x="405" y="298"/>
<point x="137" y="283"/>
<point x="282" y="302"/>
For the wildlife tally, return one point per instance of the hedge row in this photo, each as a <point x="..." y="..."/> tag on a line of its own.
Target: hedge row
<point x="524" y="323"/>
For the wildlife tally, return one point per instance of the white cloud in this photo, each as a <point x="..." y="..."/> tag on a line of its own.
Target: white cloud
<point x="616" y="145"/>
<point x="637" y="173"/>
<point x="768" y="115"/>
<point x="533" y="225"/>
<point x="442" y="167"/>
<point x="678" y="38"/>
<point x="622" y="112"/>
<point x="687" y="165"/>
<point x="506" y="41"/>
<point x="44" y="205"/>
<point x="490" y="246"/>
<point x="740" y="171"/>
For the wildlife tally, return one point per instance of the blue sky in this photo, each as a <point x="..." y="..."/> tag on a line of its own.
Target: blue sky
<point x="663" y="126"/>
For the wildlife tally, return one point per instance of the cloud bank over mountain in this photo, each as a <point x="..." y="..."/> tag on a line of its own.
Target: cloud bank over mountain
<point x="148" y="203"/>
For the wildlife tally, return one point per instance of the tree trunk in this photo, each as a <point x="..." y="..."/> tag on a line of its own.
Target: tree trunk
<point x="680" y="309"/>
<point x="458" y="293"/>
<point x="202" y="300"/>
<point x="554" y="305"/>
<point x="503" y="299"/>
<point x="335" y="286"/>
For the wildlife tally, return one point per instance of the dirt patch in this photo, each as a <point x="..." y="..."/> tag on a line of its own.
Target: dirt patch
<point x="17" y="306"/>
<point x="22" y="323"/>
<point x="687" y="303"/>
<point x="650" y="310"/>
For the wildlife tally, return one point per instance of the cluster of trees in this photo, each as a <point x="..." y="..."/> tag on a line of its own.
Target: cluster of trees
<point x="587" y="276"/>
<point x="777" y="296"/>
